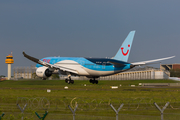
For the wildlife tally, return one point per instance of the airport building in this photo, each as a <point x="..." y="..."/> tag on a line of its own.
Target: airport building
<point x="24" y="72"/>
<point x="170" y="66"/>
<point x="137" y="73"/>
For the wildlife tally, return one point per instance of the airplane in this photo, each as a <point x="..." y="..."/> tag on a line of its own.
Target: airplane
<point x="90" y="67"/>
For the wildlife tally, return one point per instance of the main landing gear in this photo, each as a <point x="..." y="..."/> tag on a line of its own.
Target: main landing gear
<point x="68" y="80"/>
<point x="93" y="81"/>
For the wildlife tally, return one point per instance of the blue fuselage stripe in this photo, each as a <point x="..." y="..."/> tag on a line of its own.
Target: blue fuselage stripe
<point x="97" y="64"/>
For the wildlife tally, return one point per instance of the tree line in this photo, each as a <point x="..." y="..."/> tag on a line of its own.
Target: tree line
<point x="174" y="72"/>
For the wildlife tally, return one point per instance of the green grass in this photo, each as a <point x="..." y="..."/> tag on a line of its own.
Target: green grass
<point x="93" y="99"/>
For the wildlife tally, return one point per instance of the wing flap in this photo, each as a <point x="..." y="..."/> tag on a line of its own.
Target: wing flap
<point x="64" y="69"/>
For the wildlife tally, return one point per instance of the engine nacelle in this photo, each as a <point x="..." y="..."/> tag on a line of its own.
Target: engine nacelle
<point x="43" y="72"/>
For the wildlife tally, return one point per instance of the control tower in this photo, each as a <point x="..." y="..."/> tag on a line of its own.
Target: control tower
<point x="9" y="60"/>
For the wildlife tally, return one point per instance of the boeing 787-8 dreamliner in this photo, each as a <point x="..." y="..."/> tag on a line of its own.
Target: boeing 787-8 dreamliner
<point x="90" y="67"/>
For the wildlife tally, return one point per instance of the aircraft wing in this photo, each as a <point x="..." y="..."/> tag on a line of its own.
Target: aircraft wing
<point x="64" y="69"/>
<point x="151" y="61"/>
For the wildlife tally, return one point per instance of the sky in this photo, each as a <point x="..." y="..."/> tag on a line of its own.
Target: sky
<point x="88" y="28"/>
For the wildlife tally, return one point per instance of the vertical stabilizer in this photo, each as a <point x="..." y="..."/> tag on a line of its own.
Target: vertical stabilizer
<point x="124" y="50"/>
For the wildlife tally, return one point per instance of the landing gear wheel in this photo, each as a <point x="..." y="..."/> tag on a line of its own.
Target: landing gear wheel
<point x="69" y="81"/>
<point x="93" y="81"/>
<point x="72" y="81"/>
<point x="90" y="80"/>
<point x="66" y="80"/>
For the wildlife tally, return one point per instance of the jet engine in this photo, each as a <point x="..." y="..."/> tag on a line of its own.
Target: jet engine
<point x="43" y="72"/>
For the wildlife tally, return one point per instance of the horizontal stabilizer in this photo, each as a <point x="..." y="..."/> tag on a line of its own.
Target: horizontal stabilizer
<point x="151" y="61"/>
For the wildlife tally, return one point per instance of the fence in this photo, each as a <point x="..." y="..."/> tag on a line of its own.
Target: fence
<point x="92" y="109"/>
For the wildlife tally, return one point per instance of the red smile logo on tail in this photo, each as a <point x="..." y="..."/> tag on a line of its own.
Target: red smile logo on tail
<point x="122" y="48"/>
